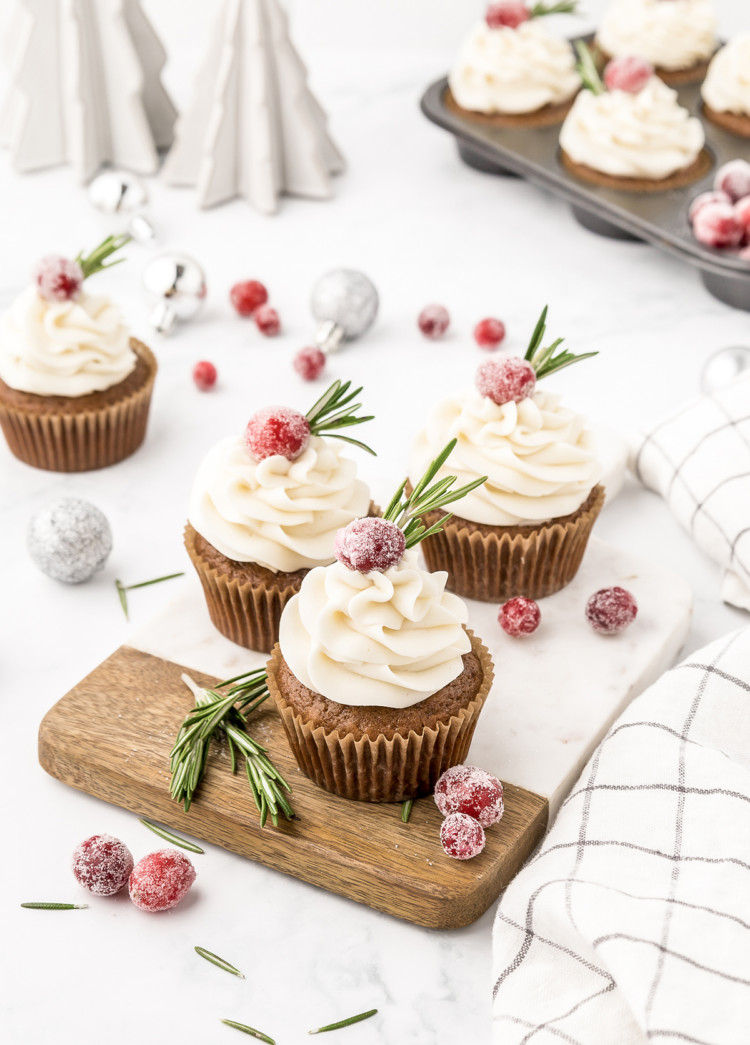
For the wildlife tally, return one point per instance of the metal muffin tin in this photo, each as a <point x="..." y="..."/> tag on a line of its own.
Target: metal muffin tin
<point x="660" y="217"/>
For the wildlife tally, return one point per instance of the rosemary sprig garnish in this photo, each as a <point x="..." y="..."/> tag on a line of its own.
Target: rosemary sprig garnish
<point x="221" y="963"/>
<point x="405" y="511"/>
<point x="544" y="360"/>
<point x="122" y="589"/>
<point x="587" y="69"/>
<point x="226" y="713"/>
<point x="251" y="1031"/>
<point x="335" y="410"/>
<point x="345" y="1023"/>
<point x="55" y="906"/>
<point x="406" y="810"/>
<point x="172" y="838"/>
<point x="564" y="7"/>
<point x="95" y="261"/>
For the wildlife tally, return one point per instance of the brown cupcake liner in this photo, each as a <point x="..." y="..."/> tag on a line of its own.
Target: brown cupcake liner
<point x="547" y="116"/>
<point x="382" y="770"/>
<point x="681" y="178"/>
<point x="80" y="440"/>
<point x="735" y="123"/>
<point x="496" y="564"/>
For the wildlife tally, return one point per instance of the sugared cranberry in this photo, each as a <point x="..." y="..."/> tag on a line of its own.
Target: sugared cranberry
<point x="519" y="616"/>
<point x="488" y="333"/>
<point x="160" y="880"/>
<point x="277" y="430"/>
<point x="733" y="178"/>
<point x="267" y="320"/>
<point x="433" y="321"/>
<point x="369" y="544"/>
<point x="703" y="198"/>
<point x="744" y="254"/>
<point x="247" y="296"/>
<point x="508" y="14"/>
<point x="102" y="864"/>
<point x="628" y="74"/>
<point x="58" y="278"/>
<point x="204" y="375"/>
<point x="461" y="836"/>
<point x="742" y="214"/>
<point x="611" y="610"/>
<point x="309" y="362"/>
<point x="506" y="380"/>
<point x="716" y="225"/>
<point x="470" y="790"/>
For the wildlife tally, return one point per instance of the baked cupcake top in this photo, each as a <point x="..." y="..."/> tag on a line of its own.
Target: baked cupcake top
<point x="672" y="34"/>
<point x="539" y="457"/>
<point x="727" y="84"/>
<point x="56" y="339"/>
<point x="277" y="495"/>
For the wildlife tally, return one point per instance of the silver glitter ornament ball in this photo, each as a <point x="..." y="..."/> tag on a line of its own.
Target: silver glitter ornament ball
<point x="177" y="285"/>
<point x="122" y="196"/>
<point x="69" y="540"/>
<point x="345" y="302"/>
<point x="723" y="367"/>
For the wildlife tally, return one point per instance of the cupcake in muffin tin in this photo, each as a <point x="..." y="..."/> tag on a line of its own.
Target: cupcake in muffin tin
<point x="726" y="89"/>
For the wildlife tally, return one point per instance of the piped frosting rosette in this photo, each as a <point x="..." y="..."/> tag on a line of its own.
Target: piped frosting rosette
<point x="727" y="85"/>
<point x="671" y="34"/>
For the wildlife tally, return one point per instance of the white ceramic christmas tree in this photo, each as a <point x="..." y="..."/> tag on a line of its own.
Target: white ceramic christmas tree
<point x="253" y="128"/>
<point x="85" y="87"/>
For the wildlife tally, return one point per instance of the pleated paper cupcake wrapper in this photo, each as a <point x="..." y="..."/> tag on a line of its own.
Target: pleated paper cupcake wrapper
<point x="494" y="567"/>
<point x="382" y="770"/>
<point x="80" y="442"/>
<point x="245" y="613"/>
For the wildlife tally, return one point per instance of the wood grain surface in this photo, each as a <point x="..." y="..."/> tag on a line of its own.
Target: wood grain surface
<point x="111" y="737"/>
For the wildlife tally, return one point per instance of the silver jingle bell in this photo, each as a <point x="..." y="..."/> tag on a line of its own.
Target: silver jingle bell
<point x="345" y="302"/>
<point x="177" y="283"/>
<point x="723" y="367"/>
<point x="124" y="196"/>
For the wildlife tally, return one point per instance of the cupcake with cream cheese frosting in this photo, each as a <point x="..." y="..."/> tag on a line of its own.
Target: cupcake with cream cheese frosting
<point x="524" y="531"/>
<point x="265" y="509"/>
<point x="377" y="679"/>
<point x="726" y="89"/>
<point x="75" y="387"/>
<point x="511" y="71"/>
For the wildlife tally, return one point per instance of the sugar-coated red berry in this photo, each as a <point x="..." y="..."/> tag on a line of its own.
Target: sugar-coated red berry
<point x="506" y="14"/>
<point x="519" y="616"/>
<point x="703" y="198"/>
<point x="716" y="225"/>
<point x="102" y="864"/>
<point x="489" y="333"/>
<point x="461" y="836"/>
<point x="204" y="375"/>
<point x="247" y="296"/>
<point x="277" y="430"/>
<point x="470" y="790"/>
<point x="369" y="544"/>
<point x="433" y="321"/>
<point x="744" y="254"/>
<point x="611" y="610"/>
<point x="267" y="320"/>
<point x="742" y="214"/>
<point x="628" y="74"/>
<point x="160" y="880"/>
<point x="733" y="178"/>
<point x="58" y="278"/>
<point x="507" y="380"/>
<point x="309" y="362"/>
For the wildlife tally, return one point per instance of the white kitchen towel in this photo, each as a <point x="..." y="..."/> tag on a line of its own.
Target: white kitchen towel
<point x="698" y="459"/>
<point x="632" y="923"/>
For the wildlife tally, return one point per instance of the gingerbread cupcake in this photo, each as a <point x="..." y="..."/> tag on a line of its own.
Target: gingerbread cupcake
<point x="75" y="387"/>
<point x="726" y="89"/>
<point x="377" y="679"/>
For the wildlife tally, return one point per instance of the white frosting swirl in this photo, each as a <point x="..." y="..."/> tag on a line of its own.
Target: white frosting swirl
<point x="388" y="639"/>
<point x="538" y="456"/>
<point x="513" y="70"/>
<point x="64" y="348"/>
<point x="727" y="84"/>
<point x="642" y="135"/>
<point x="277" y="513"/>
<point x="671" y="34"/>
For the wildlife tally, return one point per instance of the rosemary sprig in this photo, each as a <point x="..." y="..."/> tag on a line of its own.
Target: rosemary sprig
<point x="587" y="69"/>
<point x="95" y="261"/>
<point x="345" y="1023"/>
<point x="169" y="837"/>
<point x="544" y="360"/>
<point x="406" y="810"/>
<point x="563" y="7"/>
<point x="406" y="512"/>
<point x="335" y="410"/>
<point x="122" y="589"/>
<point x="251" y="1031"/>
<point x="221" y="963"/>
<point x="56" y="906"/>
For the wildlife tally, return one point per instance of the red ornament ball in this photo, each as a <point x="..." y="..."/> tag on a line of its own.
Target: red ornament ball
<point x="507" y="380"/>
<point x="204" y="375"/>
<point x="267" y="321"/>
<point x="160" y="880"/>
<point x="519" y="616"/>
<point x="369" y="544"/>
<point x="733" y="178"/>
<point x="488" y="333"/>
<point x="470" y="790"/>
<point x="58" y="278"/>
<point x="102" y="864"/>
<point x="611" y="610"/>
<point x="507" y="14"/>
<point x="433" y="321"/>
<point x="247" y="296"/>
<point x="716" y="225"/>
<point x="277" y="430"/>
<point x="628" y="74"/>
<point x="309" y="362"/>
<point x="461" y="836"/>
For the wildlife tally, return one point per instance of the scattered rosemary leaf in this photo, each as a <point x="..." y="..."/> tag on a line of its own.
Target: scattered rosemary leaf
<point x="221" y="963"/>
<point x="123" y="598"/>
<point x="251" y="1031"/>
<point x="122" y="589"/>
<point x="169" y="837"/>
<point x="345" y="1023"/>
<point x="56" y="906"/>
<point x="406" y="809"/>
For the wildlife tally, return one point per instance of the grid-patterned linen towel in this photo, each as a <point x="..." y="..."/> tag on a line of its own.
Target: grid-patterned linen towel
<point x="699" y="461"/>
<point x="632" y="923"/>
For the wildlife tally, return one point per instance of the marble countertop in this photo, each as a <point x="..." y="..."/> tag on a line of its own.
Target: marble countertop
<point x="426" y="228"/>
